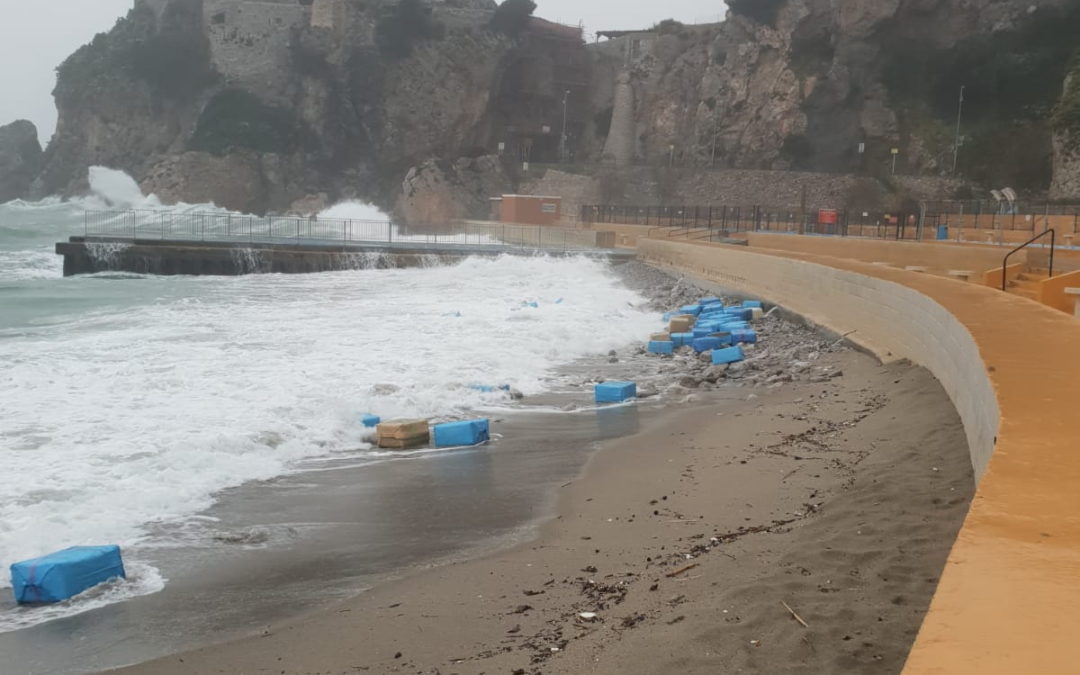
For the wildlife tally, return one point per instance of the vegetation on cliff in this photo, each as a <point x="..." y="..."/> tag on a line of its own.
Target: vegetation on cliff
<point x="512" y="16"/>
<point x="1066" y="120"/>
<point x="238" y="120"/>
<point x="1012" y="81"/>
<point x="403" y="25"/>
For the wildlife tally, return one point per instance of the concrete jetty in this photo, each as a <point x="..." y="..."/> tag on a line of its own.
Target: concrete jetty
<point x="209" y="244"/>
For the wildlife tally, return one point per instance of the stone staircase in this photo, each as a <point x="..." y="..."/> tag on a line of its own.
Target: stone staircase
<point x="1027" y="284"/>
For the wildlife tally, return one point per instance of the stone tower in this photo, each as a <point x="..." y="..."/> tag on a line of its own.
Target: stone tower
<point x="621" y="144"/>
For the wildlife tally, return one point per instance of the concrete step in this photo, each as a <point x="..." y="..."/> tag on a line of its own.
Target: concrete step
<point x="1021" y="283"/>
<point x="1030" y="294"/>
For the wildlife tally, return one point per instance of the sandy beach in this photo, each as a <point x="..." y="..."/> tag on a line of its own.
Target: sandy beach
<point x="797" y="528"/>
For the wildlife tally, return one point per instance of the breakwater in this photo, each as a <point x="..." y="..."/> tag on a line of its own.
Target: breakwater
<point x="83" y="255"/>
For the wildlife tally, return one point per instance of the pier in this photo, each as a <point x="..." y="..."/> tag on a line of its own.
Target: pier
<point x="166" y="243"/>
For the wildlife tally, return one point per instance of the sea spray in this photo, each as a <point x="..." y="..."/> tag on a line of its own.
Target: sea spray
<point x="106" y="256"/>
<point x="141" y="413"/>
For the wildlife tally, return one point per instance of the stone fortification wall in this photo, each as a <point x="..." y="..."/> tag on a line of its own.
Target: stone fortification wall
<point x="249" y="42"/>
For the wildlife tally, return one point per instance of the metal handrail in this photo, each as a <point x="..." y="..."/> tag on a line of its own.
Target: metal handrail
<point x="1005" y="263"/>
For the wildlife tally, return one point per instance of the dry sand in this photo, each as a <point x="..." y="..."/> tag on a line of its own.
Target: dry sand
<point x="840" y="499"/>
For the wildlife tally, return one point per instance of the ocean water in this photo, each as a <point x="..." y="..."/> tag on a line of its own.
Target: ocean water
<point x="128" y="403"/>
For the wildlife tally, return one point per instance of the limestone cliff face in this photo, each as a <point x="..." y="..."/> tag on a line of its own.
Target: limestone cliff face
<point x="256" y="105"/>
<point x="800" y="84"/>
<point x="20" y="159"/>
<point x="421" y="106"/>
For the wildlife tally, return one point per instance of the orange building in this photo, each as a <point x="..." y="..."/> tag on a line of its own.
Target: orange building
<point x="529" y="209"/>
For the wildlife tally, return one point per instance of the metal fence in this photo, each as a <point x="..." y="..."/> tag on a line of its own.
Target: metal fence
<point x="226" y="227"/>
<point x="932" y="220"/>
<point x="705" y="222"/>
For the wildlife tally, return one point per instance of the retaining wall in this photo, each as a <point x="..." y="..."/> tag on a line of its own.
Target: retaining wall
<point x="1010" y="592"/>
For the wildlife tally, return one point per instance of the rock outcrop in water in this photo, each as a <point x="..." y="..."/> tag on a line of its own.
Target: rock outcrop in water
<point x="426" y="106"/>
<point x="20" y="159"/>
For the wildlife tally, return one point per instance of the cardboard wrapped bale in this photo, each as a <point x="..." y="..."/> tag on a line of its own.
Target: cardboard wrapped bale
<point x="682" y="324"/>
<point x="469" y="432"/>
<point x="403" y="434"/>
<point x="615" y="392"/>
<point x="757" y="313"/>
<point x="64" y="574"/>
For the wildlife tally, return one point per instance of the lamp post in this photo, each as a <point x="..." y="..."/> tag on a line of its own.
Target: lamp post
<point x="959" y="118"/>
<point x="562" y="139"/>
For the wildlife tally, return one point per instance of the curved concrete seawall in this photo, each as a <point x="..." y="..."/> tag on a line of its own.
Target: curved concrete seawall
<point x="1010" y="593"/>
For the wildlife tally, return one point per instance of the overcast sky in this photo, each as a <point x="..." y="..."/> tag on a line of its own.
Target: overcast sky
<point x="36" y="35"/>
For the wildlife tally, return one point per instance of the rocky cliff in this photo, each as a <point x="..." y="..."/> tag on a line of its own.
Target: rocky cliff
<point x="427" y="107"/>
<point x="836" y="85"/>
<point x="20" y="159"/>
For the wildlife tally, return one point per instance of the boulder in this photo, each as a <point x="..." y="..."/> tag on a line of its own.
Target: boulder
<point x="20" y="159"/>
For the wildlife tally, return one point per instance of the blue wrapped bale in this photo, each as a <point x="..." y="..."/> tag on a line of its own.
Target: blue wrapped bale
<point x="692" y="310"/>
<point x="708" y="310"/>
<point x="455" y="434"/>
<point x="752" y="304"/>
<point x="705" y="302"/>
<point x="662" y="347"/>
<point x="615" y="392"/>
<point x="722" y="357"/>
<point x="371" y="421"/>
<point x="668" y="316"/>
<point x="682" y="339"/>
<point x="740" y="313"/>
<point x="746" y="336"/>
<point x="701" y="331"/>
<point x="64" y="574"/>
<point x="706" y="344"/>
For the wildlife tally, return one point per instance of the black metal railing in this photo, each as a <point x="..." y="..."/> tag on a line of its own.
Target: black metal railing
<point x="721" y="221"/>
<point x="1029" y="242"/>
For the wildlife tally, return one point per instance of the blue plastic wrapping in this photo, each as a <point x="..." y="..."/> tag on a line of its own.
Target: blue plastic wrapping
<point x="741" y="313"/>
<point x="704" y="302"/>
<point x="370" y="421"/>
<point x="658" y="347"/>
<point x="682" y="339"/>
<point x="692" y="310"/>
<point x="725" y="356"/>
<point x="744" y="335"/>
<point x="615" y="392"/>
<point x="454" y="434"/>
<point x="752" y="304"/>
<point x="64" y="574"/>
<point x="707" y="344"/>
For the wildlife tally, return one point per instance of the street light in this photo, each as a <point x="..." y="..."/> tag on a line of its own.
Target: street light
<point x="562" y="140"/>
<point x="959" y="118"/>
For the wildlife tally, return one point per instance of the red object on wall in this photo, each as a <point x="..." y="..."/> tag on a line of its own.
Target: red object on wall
<point x="828" y="217"/>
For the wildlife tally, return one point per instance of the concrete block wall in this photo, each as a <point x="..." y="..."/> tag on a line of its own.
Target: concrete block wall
<point x="1010" y="366"/>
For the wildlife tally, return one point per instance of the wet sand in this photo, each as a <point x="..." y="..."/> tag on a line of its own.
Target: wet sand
<point x="689" y="547"/>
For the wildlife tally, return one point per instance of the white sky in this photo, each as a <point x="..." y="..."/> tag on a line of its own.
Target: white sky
<point x="36" y="35"/>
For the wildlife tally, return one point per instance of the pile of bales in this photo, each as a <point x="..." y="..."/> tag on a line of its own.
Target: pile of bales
<point x="710" y="327"/>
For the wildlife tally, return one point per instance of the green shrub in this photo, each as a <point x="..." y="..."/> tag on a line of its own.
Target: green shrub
<point x="405" y="24"/>
<point x="237" y="120"/>
<point x="762" y="11"/>
<point x="512" y="16"/>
